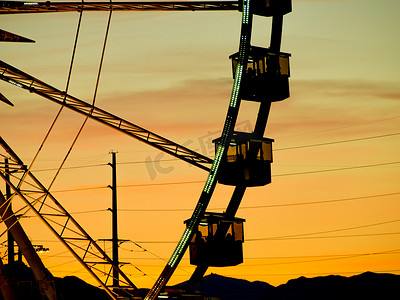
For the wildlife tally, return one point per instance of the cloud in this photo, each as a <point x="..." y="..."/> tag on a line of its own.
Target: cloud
<point x="336" y="107"/>
<point x="347" y="89"/>
<point x="194" y="108"/>
<point x="185" y="103"/>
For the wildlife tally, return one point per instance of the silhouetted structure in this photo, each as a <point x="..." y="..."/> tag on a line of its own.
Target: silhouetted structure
<point x="269" y="8"/>
<point x="266" y="75"/>
<point x="242" y="160"/>
<point x="217" y="242"/>
<point x="6" y="36"/>
<point x="247" y="161"/>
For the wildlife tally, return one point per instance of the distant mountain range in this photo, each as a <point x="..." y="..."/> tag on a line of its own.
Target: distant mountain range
<point x="371" y="286"/>
<point x="365" y="286"/>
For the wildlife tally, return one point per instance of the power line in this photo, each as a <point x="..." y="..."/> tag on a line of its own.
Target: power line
<point x="345" y="256"/>
<point x="290" y="238"/>
<point x="320" y="202"/>
<point x="69" y="168"/>
<point x="142" y="161"/>
<point x="202" y="181"/>
<point x="393" y="251"/>
<point x="302" y="235"/>
<point x="341" y="127"/>
<point x="279" y="149"/>
<point x="326" y="231"/>
<point x="338" y="169"/>
<point x="161" y="183"/>
<point x="80" y="189"/>
<point x="267" y="206"/>
<point x="89" y="211"/>
<point x="326" y="237"/>
<point x="339" y="142"/>
<point x="323" y="256"/>
<point x="129" y="185"/>
<point x="242" y="208"/>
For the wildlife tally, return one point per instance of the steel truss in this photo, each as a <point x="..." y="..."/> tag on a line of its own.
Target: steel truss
<point x="36" y="197"/>
<point x="15" y="76"/>
<point x="6" y="36"/>
<point x="15" y="7"/>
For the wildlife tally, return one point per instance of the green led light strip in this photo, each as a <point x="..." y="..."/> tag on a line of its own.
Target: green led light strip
<point x="222" y="148"/>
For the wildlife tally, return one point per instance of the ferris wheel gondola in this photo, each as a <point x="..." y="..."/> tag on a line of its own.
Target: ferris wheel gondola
<point x="218" y="241"/>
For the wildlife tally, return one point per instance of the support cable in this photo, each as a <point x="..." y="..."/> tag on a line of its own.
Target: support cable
<point x="59" y="112"/>
<point x="93" y="102"/>
<point x="102" y="57"/>
<point x="73" y="53"/>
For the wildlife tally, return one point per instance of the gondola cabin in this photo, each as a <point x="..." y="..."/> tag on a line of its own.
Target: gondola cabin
<point x="217" y="241"/>
<point x="265" y="76"/>
<point x="247" y="161"/>
<point x="269" y="8"/>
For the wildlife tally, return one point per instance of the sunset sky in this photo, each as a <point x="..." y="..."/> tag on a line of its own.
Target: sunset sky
<point x="333" y="206"/>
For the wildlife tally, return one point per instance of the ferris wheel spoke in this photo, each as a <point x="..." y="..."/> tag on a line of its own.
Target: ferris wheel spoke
<point x="15" y="7"/>
<point x="23" y="80"/>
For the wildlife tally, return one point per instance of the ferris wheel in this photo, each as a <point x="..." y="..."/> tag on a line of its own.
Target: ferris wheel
<point x="241" y="159"/>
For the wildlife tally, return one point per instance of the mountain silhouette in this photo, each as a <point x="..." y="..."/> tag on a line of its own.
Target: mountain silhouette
<point x="365" y="286"/>
<point x="214" y="285"/>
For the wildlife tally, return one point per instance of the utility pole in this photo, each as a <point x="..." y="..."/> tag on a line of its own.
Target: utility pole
<point x="10" y="239"/>
<point x="7" y="289"/>
<point x="114" y="211"/>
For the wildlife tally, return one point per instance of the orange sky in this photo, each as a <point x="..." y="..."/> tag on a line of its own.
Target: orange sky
<point x="169" y="72"/>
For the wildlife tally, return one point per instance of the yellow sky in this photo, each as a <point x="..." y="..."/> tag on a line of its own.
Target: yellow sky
<point x="169" y="72"/>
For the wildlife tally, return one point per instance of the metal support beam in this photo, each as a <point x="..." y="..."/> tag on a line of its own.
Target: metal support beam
<point x="42" y="275"/>
<point x="18" y="78"/>
<point x="16" y="7"/>
<point x="6" y="36"/>
<point x="5" y="100"/>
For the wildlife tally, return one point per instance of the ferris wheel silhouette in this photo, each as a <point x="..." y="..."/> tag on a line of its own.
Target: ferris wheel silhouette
<point x="241" y="159"/>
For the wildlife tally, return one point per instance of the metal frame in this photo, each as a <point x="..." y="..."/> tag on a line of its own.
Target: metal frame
<point x="59" y="221"/>
<point x="16" y="7"/>
<point x="18" y="78"/>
